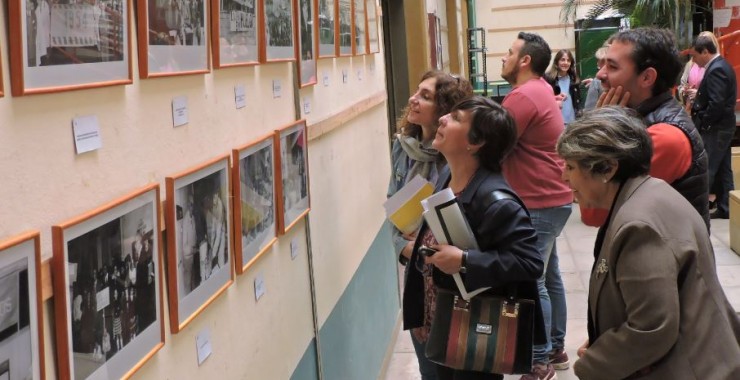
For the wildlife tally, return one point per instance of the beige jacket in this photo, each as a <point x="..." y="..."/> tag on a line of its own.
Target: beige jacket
<point x="654" y="295"/>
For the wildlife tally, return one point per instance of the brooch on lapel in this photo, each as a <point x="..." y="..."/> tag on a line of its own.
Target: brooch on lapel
<point x="602" y="268"/>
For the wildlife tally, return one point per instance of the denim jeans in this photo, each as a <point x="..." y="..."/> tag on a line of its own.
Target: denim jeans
<point x="427" y="368"/>
<point x="717" y="143"/>
<point x="549" y="222"/>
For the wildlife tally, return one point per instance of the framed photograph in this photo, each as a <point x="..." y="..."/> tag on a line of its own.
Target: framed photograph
<point x="373" y="42"/>
<point x="254" y="196"/>
<point x="344" y="27"/>
<point x="198" y="239"/>
<point x="21" y="321"/>
<point x="359" y="23"/>
<point x="277" y="22"/>
<point x="107" y="288"/>
<point x="68" y="45"/>
<point x="292" y="169"/>
<point x="173" y="37"/>
<point x="327" y="28"/>
<point x="307" y="41"/>
<point x="235" y="30"/>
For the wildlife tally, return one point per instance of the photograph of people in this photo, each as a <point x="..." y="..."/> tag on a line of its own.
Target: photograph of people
<point x="308" y="62"/>
<point x="257" y="201"/>
<point x="279" y="22"/>
<point x="238" y="31"/>
<point x="69" y="32"/>
<point x="295" y="186"/>
<point x="201" y="236"/>
<point x="177" y="22"/>
<point x="112" y="290"/>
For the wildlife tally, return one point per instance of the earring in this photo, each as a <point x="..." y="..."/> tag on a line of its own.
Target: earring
<point x="468" y="148"/>
<point x="604" y="180"/>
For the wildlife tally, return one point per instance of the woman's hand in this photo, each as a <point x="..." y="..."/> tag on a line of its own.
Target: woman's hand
<point x="587" y="82"/>
<point x="582" y="350"/>
<point x="448" y="258"/>
<point x="615" y="96"/>
<point x="408" y="249"/>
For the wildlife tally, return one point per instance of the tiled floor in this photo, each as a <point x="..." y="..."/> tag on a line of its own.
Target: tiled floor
<point x="575" y="250"/>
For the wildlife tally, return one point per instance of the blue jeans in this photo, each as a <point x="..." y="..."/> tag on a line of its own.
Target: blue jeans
<point x="427" y="368"/>
<point x="549" y="222"/>
<point x="717" y="143"/>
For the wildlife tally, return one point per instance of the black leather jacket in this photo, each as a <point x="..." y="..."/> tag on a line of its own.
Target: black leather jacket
<point x="694" y="184"/>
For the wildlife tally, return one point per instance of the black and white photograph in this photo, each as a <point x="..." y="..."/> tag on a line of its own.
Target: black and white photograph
<point x="327" y="28"/>
<point x="344" y="9"/>
<point x="238" y="32"/>
<point x="21" y="354"/>
<point x="199" y="264"/>
<point x="306" y="40"/>
<point x="255" y="205"/>
<point x="68" y="44"/>
<point x="174" y="38"/>
<point x="359" y="27"/>
<point x="279" y="30"/>
<point x="372" y="26"/>
<point x="110" y="266"/>
<point x="294" y="174"/>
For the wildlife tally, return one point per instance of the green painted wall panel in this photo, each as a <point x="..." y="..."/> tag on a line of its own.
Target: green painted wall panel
<point x="307" y="368"/>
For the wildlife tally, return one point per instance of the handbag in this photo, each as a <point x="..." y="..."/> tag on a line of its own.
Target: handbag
<point x="484" y="334"/>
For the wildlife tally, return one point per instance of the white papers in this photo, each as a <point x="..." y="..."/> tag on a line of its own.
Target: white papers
<point x="240" y="96"/>
<point x="87" y="133"/>
<point x="179" y="111"/>
<point x="722" y="17"/>
<point x="449" y="226"/>
<point x="203" y="345"/>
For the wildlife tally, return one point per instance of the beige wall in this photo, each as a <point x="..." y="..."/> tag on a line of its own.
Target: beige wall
<point x="46" y="183"/>
<point x="503" y="20"/>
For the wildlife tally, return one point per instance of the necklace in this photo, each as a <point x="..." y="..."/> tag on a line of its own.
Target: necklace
<point x="457" y="194"/>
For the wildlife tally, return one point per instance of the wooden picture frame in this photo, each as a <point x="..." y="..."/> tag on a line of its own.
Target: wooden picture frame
<point x="22" y="322"/>
<point x="107" y="273"/>
<point x="198" y="217"/>
<point x="359" y="26"/>
<point x="306" y="42"/>
<point x="373" y="31"/>
<point x="76" y="56"/>
<point x="235" y="32"/>
<point x="255" y="221"/>
<point x="173" y="37"/>
<point x="343" y="13"/>
<point x="327" y="27"/>
<point x="276" y="24"/>
<point x="291" y="153"/>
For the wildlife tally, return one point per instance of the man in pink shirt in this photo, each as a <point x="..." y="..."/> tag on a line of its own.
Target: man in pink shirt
<point x="534" y="170"/>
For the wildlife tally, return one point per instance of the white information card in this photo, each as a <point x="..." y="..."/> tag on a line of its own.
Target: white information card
<point x="179" y="111"/>
<point x="87" y="133"/>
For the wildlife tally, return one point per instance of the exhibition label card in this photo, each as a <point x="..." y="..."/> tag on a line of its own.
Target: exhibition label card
<point x="306" y="106"/>
<point x="359" y="75"/>
<point x="179" y="111"/>
<point x="326" y="78"/>
<point x="87" y="133"/>
<point x="277" y="88"/>
<point x="294" y="248"/>
<point x="344" y="75"/>
<point x="240" y="96"/>
<point x="203" y="345"/>
<point x="259" y="286"/>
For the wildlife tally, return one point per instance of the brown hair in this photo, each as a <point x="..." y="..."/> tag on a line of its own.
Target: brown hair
<point x="448" y="91"/>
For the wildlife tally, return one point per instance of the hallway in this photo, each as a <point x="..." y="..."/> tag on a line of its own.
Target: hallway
<point x="575" y="250"/>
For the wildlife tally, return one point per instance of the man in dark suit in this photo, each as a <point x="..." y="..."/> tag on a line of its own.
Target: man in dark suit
<point x="713" y="112"/>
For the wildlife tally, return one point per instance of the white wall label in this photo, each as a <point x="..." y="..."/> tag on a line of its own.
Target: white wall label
<point x="179" y="111"/>
<point x="240" y="96"/>
<point x="359" y="75"/>
<point x="87" y="133"/>
<point x="344" y="75"/>
<point x="306" y="106"/>
<point x="203" y="345"/>
<point x="294" y="248"/>
<point x="259" y="286"/>
<point x="326" y="78"/>
<point x="277" y="88"/>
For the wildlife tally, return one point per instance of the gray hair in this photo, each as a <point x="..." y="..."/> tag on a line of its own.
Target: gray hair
<point x="606" y="135"/>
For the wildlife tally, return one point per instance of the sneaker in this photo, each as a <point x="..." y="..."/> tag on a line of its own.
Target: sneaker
<point x="559" y="359"/>
<point x="541" y="371"/>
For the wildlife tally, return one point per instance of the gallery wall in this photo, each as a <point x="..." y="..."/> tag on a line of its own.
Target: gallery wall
<point x="46" y="183"/>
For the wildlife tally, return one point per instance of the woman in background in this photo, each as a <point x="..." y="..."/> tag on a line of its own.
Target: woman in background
<point x="474" y="139"/>
<point x="412" y="154"/>
<point x="656" y="309"/>
<point x="564" y="80"/>
<point x="692" y="76"/>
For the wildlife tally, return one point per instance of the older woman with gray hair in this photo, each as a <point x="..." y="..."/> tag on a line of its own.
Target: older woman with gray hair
<point x="656" y="309"/>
